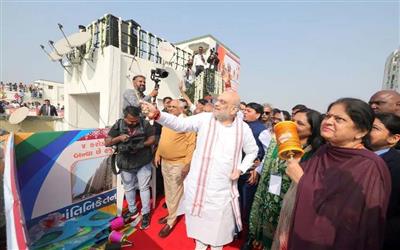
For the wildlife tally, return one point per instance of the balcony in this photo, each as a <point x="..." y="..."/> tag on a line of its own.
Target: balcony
<point x="208" y="83"/>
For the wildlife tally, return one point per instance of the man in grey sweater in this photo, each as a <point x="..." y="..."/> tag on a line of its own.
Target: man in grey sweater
<point x="131" y="97"/>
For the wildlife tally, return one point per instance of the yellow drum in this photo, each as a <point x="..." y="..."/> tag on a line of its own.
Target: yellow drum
<point x="288" y="140"/>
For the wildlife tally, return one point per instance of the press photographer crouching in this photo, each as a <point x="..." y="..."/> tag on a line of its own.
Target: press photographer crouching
<point x="133" y="137"/>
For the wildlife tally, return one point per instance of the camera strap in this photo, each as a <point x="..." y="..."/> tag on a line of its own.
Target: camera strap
<point x="113" y="164"/>
<point x="114" y="155"/>
<point x="141" y="123"/>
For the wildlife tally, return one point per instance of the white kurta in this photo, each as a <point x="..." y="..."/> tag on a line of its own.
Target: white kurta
<point x="216" y="224"/>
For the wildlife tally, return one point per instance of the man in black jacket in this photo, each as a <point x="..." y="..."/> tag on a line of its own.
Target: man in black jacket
<point x="134" y="137"/>
<point x="47" y="109"/>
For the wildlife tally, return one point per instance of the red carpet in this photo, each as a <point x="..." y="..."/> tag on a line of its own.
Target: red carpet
<point x="149" y="240"/>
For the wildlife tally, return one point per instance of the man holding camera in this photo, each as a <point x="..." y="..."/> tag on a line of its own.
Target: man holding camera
<point x="213" y="60"/>
<point x="131" y="97"/>
<point x="189" y="74"/>
<point x="133" y="137"/>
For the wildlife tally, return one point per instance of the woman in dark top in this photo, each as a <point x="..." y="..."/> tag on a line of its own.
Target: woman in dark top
<point x="343" y="190"/>
<point x="385" y="135"/>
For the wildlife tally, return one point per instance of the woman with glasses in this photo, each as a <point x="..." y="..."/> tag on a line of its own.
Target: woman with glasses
<point x="267" y="203"/>
<point x="343" y="190"/>
<point x="308" y="124"/>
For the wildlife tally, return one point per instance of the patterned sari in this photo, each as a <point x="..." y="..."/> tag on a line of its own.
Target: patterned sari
<point x="266" y="207"/>
<point x="286" y="215"/>
<point x="264" y="215"/>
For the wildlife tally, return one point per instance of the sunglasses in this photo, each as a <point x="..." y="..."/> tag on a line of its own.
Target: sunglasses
<point x="267" y="113"/>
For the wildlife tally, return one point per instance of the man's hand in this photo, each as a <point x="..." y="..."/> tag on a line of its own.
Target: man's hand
<point x="181" y="89"/>
<point x="185" y="171"/>
<point x="293" y="170"/>
<point x="148" y="109"/>
<point x="253" y="178"/>
<point x="157" y="160"/>
<point x="236" y="174"/>
<point x="154" y="93"/>
<point x="123" y="138"/>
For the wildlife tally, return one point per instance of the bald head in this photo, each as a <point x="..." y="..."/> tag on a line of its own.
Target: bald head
<point x="227" y="106"/>
<point x="387" y="101"/>
<point x="231" y="97"/>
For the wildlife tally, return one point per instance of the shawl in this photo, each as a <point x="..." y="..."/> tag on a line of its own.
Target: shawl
<point x="341" y="201"/>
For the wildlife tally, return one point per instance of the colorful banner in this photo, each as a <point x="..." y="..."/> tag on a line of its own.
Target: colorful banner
<point x="229" y="67"/>
<point x="16" y="236"/>
<point x="63" y="175"/>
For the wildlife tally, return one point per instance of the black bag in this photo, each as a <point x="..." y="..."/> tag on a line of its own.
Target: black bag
<point x="111" y="162"/>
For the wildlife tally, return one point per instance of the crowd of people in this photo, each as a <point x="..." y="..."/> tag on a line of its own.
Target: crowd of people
<point x="221" y="170"/>
<point x="40" y="108"/>
<point x="33" y="89"/>
<point x="200" y="63"/>
<point x="18" y="100"/>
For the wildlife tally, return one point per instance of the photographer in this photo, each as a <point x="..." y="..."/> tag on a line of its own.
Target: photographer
<point x="133" y="137"/>
<point x="213" y="60"/>
<point x="189" y="75"/>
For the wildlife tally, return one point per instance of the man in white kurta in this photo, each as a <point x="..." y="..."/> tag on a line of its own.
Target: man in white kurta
<point x="210" y="190"/>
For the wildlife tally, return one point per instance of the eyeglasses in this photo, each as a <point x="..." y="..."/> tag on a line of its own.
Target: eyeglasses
<point x="267" y="113"/>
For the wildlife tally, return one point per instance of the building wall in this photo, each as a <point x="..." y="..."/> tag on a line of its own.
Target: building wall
<point x="192" y="45"/>
<point x="107" y="77"/>
<point x="391" y="78"/>
<point x="54" y="91"/>
<point x="33" y="124"/>
<point x="229" y="62"/>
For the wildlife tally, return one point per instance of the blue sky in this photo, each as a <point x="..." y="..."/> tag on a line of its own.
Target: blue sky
<point x="310" y="52"/>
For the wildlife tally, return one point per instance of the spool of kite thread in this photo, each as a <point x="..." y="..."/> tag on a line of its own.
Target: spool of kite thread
<point x="117" y="223"/>
<point x="117" y="237"/>
<point x="289" y="145"/>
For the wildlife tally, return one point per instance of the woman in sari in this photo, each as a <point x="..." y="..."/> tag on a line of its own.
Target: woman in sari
<point x="308" y="127"/>
<point x="343" y="190"/>
<point x="267" y="205"/>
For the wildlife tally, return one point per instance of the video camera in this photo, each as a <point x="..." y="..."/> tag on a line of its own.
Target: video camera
<point x="135" y="142"/>
<point x="132" y="145"/>
<point x="213" y="59"/>
<point x="156" y="75"/>
<point x="213" y="52"/>
<point x="159" y="73"/>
